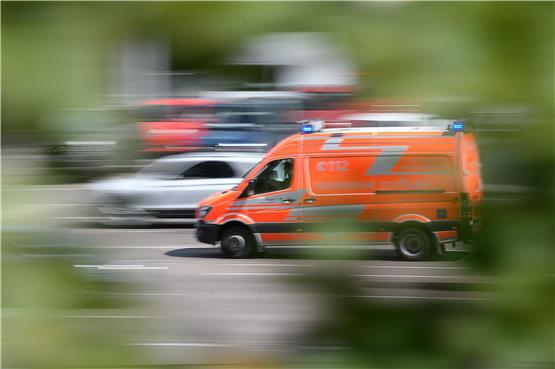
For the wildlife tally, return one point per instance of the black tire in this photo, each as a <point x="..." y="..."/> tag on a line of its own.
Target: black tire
<point x="238" y="242"/>
<point x="413" y="244"/>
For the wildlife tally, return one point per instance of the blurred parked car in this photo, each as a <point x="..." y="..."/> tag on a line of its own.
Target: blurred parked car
<point x="89" y="142"/>
<point x="168" y="189"/>
<point x="174" y="125"/>
<point x="254" y="119"/>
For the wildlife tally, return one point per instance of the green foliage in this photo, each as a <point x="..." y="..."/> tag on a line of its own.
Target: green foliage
<point x="466" y="55"/>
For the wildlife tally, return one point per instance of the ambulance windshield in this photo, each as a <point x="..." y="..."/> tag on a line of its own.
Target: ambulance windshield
<point x="275" y="176"/>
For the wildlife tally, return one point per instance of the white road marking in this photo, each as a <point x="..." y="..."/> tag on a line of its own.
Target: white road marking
<point x="120" y="267"/>
<point x="251" y="274"/>
<point x="134" y="261"/>
<point x="54" y="255"/>
<point x="123" y="267"/>
<point x="177" y="231"/>
<point x="66" y="204"/>
<point x="48" y="187"/>
<point x="137" y="247"/>
<point x="263" y="264"/>
<point x="85" y="266"/>
<point x="109" y="317"/>
<point x="170" y="247"/>
<point x="145" y="294"/>
<point x="179" y="344"/>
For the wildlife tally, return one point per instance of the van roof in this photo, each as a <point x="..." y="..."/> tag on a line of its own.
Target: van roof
<point x="421" y="139"/>
<point x="382" y="130"/>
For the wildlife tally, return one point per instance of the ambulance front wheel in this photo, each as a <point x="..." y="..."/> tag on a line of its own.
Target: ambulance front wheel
<point x="237" y="242"/>
<point x="413" y="244"/>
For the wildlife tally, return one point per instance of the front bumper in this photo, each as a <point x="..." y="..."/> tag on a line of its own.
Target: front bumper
<point x="206" y="232"/>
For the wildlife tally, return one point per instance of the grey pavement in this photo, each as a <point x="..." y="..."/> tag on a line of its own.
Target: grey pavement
<point x="183" y="302"/>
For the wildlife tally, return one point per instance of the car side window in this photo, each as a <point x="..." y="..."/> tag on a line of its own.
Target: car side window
<point x="209" y="169"/>
<point x="276" y="176"/>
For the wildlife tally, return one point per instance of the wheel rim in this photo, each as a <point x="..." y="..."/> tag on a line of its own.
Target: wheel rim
<point x="412" y="245"/>
<point x="235" y="243"/>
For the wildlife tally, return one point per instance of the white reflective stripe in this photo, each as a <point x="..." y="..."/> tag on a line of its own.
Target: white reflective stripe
<point x="388" y="158"/>
<point x="234" y="216"/>
<point x="409" y="217"/>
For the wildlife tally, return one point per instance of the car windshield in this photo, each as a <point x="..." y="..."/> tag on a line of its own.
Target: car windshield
<point x="164" y="169"/>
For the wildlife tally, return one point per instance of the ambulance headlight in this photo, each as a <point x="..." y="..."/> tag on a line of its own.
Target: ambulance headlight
<point x="457" y="126"/>
<point x="203" y="212"/>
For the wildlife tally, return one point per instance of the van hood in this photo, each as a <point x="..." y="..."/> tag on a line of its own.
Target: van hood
<point x="218" y="198"/>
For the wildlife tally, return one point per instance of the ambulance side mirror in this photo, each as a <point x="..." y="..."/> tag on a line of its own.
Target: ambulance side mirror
<point x="249" y="190"/>
<point x="250" y="187"/>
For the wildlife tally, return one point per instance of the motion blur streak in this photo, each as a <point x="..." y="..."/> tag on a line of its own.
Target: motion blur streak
<point x="174" y="101"/>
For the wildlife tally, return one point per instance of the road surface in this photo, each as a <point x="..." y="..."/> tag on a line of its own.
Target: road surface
<point x="182" y="302"/>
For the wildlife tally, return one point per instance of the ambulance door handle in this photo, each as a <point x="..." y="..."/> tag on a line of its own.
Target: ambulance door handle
<point x="287" y="201"/>
<point x="310" y="200"/>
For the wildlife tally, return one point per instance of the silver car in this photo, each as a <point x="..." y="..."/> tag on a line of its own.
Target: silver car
<point x="168" y="189"/>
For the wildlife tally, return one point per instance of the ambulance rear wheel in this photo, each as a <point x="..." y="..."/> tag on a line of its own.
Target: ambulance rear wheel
<point x="237" y="242"/>
<point x="413" y="244"/>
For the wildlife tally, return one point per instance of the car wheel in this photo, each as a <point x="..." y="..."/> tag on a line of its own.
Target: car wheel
<point x="238" y="242"/>
<point x="413" y="244"/>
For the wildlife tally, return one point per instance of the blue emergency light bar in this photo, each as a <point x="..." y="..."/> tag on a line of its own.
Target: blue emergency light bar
<point x="457" y="126"/>
<point x="311" y="126"/>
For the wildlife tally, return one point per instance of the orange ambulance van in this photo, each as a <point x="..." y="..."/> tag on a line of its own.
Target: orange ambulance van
<point x="414" y="187"/>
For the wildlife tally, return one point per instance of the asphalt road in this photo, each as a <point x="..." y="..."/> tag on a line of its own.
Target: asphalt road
<point x="181" y="302"/>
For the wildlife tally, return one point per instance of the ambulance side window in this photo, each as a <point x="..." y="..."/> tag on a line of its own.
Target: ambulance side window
<point x="276" y="176"/>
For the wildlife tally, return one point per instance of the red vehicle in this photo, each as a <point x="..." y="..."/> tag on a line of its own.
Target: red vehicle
<point x="175" y="125"/>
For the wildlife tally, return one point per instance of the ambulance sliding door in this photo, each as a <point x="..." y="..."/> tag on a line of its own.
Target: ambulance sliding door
<point x="336" y="204"/>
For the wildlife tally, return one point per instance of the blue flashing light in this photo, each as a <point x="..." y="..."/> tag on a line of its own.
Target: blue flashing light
<point x="457" y="126"/>
<point x="312" y="125"/>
